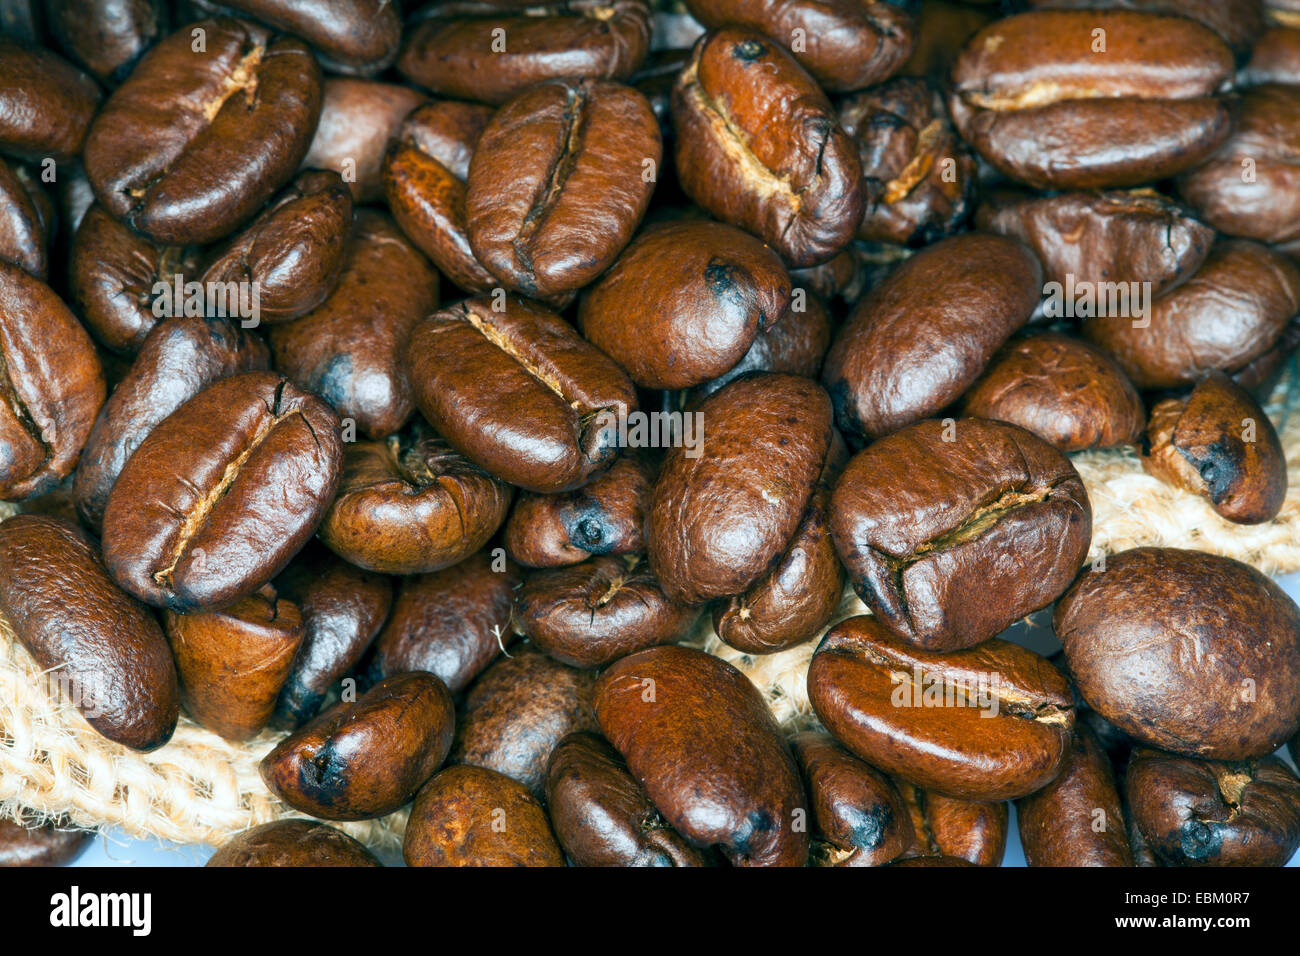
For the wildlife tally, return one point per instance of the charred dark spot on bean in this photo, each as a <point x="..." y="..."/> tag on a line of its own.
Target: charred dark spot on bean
<point x="757" y="823"/>
<point x="333" y="384"/>
<point x="1200" y="840"/>
<point x="1219" y="468"/>
<point x="323" y="777"/>
<point x="749" y="50"/>
<point x="869" y="827"/>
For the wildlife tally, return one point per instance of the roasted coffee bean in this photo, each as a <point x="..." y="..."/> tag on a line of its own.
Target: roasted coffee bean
<point x="721" y="515"/>
<point x="759" y="146"/>
<point x="701" y="740"/>
<point x="1264" y="205"/>
<point x="1207" y="813"/>
<point x="358" y="119"/>
<point x="1237" y="22"/>
<point x="1187" y="331"/>
<point x="73" y="620"/>
<point x="452" y="623"/>
<point x="233" y="661"/>
<point x="410" y="504"/>
<point x="684" y="303"/>
<point x="178" y="359"/>
<point x="948" y="827"/>
<point x="925" y="334"/>
<point x="860" y="818"/>
<point x="221" y="494"/>
<point x="47" y="844"/>
<point x="518" y="710"/>
<point x="1187" y="651"/>
<point x="1035" y="96"/>
<point x="52" y="385"/>
<point x="471" y="816"/>
<point x="929" y="861"/>
<point x="455" y="49"/>
<point x="1118" y="236"/>
<point x="839" y="277"/>
<point x="365" y="759"/>
<point x="107" y="37"/>
<point x="951" y="532"/>
<point x="1275" y="59"/>
<point x="192" y="144"/>
<point x="604" y="516"/>
<point x="292" y="843"/>
<point x="559" y="180"/>
<point x="292" y="253"/>
<point x="342" y="610"/>
<point x="602" y="816"/>
<point x="1069" y="393"/>
<point x="1219" y="444"/>
<point x="593" y="613"/>
<point x="918" y="175"/>
<point x="46" y="104"/>
<point x="942" y="29"/>
<point x="351" y="350"/>
<point x="988" y="723"/>
<point x="518" y="392"/>
<point x="1076" y="819"/>
<point x="424" y="175"/>
<point x="25" y="222"/>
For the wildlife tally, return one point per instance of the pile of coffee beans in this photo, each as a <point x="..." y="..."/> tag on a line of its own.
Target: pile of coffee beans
<point x="407" y="387"/>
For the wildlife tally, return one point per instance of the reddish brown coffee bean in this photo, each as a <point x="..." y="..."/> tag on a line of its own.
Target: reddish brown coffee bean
<point x="1237" y="22"/>
<point x="48" y="844"/>
<point x="358" y="120"/>
<point x="233" y="661"/>
<point x="342" y="610"/>
<point x="46" y="104"/>
<point x="107" y="37"/>
<point x="722" y="514"/>
<point x="602" y="816"/>
<point x="221" y="494"/>
<point x="192" y="144"/>
<point x="518" y="710"/>
<point x="351" y="350"/>
<point x="1219" y="444"/>
<point x="1038" y="99"/>
<point x="684" y="303"/>
<point x="26" y="220"/>
<point x="948" y="827"/>
<point x="471" y="816"/>
<point x="452" y="623"/>
<point x="1187" y="651"/>
<point x="1067" y="392"/>
<point x="860" y="818"/>
<point x="107" y="649"/>
<point x="292" y="843"/>
<point x="518" y="392"/>
<point x="1275" y="59"/>
<point x="989" y="723"/>
<point x="365" y="759"/>
<point x="1207" y="813"/>
<point x="1076" y="820"/>
<point x="759" y="146"/>
<point x="953" y="532"/>
<point x="456" y="47"/>
<point x="925" y="334"/>
<point x="52" y="385"/>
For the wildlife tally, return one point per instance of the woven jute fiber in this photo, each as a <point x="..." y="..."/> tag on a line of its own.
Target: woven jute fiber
<point x="202" y="789"/>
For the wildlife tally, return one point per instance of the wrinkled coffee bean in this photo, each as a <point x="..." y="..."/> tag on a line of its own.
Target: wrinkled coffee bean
<point x="45" y="845"/>
<point x="107" y="37"/>
<point x="358" y="120"/>
<point x="46" y="104"/>
<point x="292" y="843"/>
<point x="967" y="830"/>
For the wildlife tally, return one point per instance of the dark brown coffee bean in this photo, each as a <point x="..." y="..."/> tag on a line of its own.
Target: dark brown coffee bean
<point x="988" y="723"/>
<point x="52" y="385"/>
<point x="1076" y="819"/>
<point x="860" y="818"/>
<point x="1275" y="59"/>
<point x="47" y="844"/>
<point x="839" y="277"/>
<point x="701" y="740"/>
<point x="292" y="843"/>
<point x="518" y="710"/>
<point x="684" y="303"/>
<point x="948" y="827"/>
<point x="1186" y="651"/>
<point x="471" y="816"/>
<point x="942" y="29"/>
<point x="1067" y="392"/>
<point x="1050" y="101"/>
<point x="558" y="182"/>
<point x="192" y="144"/>
<point x="951" y="532"/>
<point x="342" y="610"/>
<point x="358" y="120"/>
<point x="1219" y="444"/>
<point x="1207" y="813"/>
<point x="925" y="334"/>
<point x="602" y="816"/>
<point x="221" y="494"/>
<point x="759" y="146"/>
<point x="491" y="51"/>
<point x="518" y="392"/>
<point x="362" y="760"/>
<point x="25" y="222"/>
<point x="107" y="37"/>
<point x="178" y="359"/>
<point x="928" y="861"/>
<point x="1237" y="22"/>
<point x="107" y="650"/>
<point x="233" y="661"/>
<point x="46" y="104"/>
<point x="452" y="623"/>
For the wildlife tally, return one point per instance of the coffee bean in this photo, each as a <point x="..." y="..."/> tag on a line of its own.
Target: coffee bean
<point x="292" y="843"/>
<point x="26" y="221"/>
<point x="1275" y="59"/>
<point x="948" y="827"/>
<point x="107" y="37"/>
<point x="1237" y="22"/>
<point x="46" y="104"/>
<point x="48" y="844"/>
<point x="358" y="120"/>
